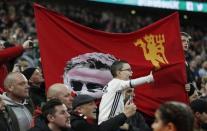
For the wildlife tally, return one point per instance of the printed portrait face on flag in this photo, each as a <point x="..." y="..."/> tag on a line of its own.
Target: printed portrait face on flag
<point x="82" y="73"/>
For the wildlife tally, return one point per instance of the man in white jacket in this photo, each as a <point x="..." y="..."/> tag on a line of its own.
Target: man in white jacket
<point x="112" y="102"/>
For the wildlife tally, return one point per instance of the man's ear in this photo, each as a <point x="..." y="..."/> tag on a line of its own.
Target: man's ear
<point x="118" y="73"/>
<point x="171" y="127"/>
<point x="197" y="114"/>
<point x="10" y="88"/>
<point x="50" y="118"/>
<point x="78" y="109"/>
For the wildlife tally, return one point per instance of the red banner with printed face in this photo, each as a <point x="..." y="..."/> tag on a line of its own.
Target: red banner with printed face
<point x="156" y="47"/>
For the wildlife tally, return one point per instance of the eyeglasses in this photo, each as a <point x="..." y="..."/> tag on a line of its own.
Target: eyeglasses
<point x="130" y="70"/>
<point x="77" y="85"/>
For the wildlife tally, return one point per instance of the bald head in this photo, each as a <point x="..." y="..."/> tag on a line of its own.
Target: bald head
<point x="11" y="78"/>
<point x="16" y="86"/>
<point x="61" y="92"/>
<point x="55" y="89"/>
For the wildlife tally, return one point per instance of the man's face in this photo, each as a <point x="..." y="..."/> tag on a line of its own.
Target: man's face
<point x="61" y="118"/>
<point x="129" y="94"/>
<point x="125" y="72"/>
<point x="158" y="124"/>
<point x="64" y="95"/>
<point x="23" y="65"/>
<point x="19" y="88"/>
<point x="88" y="81"/>
<point x="185" y="42"/>
<point x="204" y="65"/>
<point x="36" y="77"/>
<point x="89" y="109"/>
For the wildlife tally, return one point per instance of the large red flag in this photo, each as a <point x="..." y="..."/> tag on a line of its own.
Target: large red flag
<point x="155" y="47"/>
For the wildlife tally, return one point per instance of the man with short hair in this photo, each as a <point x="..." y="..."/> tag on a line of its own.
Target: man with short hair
<point x="137" y="121"/>
<point x="19" y="108"/>
<point x="112" y="102"/>
<point x="56" y="91"/>
<point x="55" y="117"/>
<point x="83" y="116"/>
<point x="191" y="84"/>
<point x="199" y="107"/>
<point x="61" y="92"/>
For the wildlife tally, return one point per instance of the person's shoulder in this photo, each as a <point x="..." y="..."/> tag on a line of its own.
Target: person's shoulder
<point x="116" y="80"/>
<point x="34" y="129"/>
<point x="37" y="128"/>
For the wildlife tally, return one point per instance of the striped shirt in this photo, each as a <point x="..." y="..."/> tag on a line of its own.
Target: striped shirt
<point x="112" y="101"/>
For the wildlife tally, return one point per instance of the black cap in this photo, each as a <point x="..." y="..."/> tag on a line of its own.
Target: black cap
<point x="28" y="72"/>
<point x="81" y="99"/>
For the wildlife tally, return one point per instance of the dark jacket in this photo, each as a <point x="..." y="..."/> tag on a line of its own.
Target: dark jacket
<point x="82" y="123"/>
<point x="4" y="121"/>
<point x="137" y="123"/>
<point x="37" y="94"/>
<point x="41" y="125"/>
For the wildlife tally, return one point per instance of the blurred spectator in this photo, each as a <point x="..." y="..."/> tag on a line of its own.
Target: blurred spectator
<point x="20" y="65"/>
<point x="173" y="116"/>
<point x="37" y="86"/>
<point x="61" y="91"/>
<point x="193" y="94"/>
<point x="185" y="37"/>
<point x="199" y="108"/>
<point x="203" y="71"/>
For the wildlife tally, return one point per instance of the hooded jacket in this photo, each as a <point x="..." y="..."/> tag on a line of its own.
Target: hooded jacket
<point x="20" y="114"/>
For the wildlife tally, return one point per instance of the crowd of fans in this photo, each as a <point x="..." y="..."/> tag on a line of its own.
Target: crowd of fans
<point x="17" y="26"/>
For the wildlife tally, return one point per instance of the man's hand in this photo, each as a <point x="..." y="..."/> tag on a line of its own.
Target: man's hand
<point x="150" y="78"/>
<point x="125" y="126"/>
<point x="129" y="109"/>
